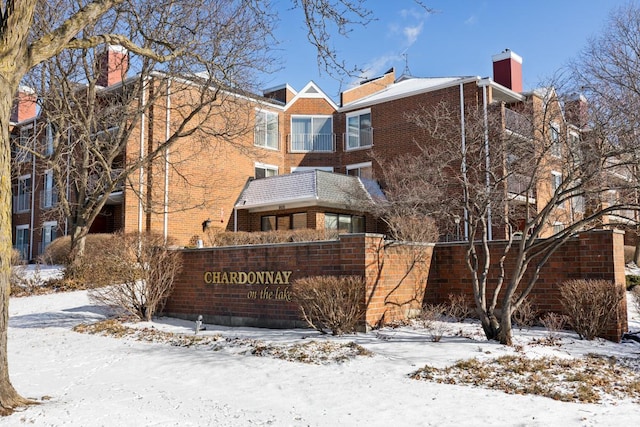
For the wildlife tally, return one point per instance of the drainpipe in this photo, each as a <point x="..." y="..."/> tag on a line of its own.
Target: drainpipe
<point x="235" y="219"/>
<point x="463" y="148"/>
<point x="165" y="231"/>
<point x="33" y="192"/>
<point x="487" y="158"/>
<point x="141" y="172"/>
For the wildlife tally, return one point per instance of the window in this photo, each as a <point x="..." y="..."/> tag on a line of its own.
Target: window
<point x="48" y="234"/>
<point x="22" y="241"/>
<point x="20" y="148"/>
<point x="268" y="223"/>
<point x="344" y="222"/>
<point x="266" y="130"/>
<point x="48" y="195"/>
<point x="22" y="198"/>
<point x="556" y="182"/>
<point x="359" y="130"/>
<point x="299" y="221"/>
<point x="49" y="134"/>
<point x="313" y="133"/>
<point x="557" y="227"/>
<point x="263" y="170"/>
<point x="363" y="170"/>
<point x="556" y="145"/>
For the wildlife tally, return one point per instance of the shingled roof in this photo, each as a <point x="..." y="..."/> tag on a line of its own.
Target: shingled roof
<point x="309" y="188"/>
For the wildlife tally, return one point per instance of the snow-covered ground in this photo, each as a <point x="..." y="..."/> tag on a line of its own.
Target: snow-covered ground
<point x="92" y="380"/>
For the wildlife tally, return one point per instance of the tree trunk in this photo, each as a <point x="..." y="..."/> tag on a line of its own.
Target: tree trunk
<point x="76" y="251"/>
<point x="636" y="254"/>
<point x="9" y="397"/>
<point x="490" y="324"/>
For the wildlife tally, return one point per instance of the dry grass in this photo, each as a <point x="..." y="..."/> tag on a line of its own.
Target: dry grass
<point x="227" y="238"/>
<point x="312" y="352"/>
<point x="591" y="379"/>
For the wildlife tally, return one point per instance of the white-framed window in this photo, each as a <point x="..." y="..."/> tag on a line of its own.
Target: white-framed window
<point x="49" y="231"/>
<point x="363" y="170"/>
<point x="22" y="240"/>
<point x="556" y="143"/>
<point x="263" y="170"/>
<point x="21" y="148"/>
<point x="293" y="221"/>
<point x="359" y="130"/>
<point x="266" y="129"/>
<point x="557" y="227"/>
<point x="48" y="140"/>
<point x="344" y="222"/>
<point x="22" y="197"/>
<point x="311" y="133"/>
<point x="48" y="197"/>
<point x="556" y="182"/>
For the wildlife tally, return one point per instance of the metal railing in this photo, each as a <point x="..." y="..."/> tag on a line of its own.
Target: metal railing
<point x="520" y="185"/>
<point x="518" y="123"/>
<point x="317" y="142"/>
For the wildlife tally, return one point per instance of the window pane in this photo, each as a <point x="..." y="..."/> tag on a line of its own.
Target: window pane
<point x="330" y="221"/>
<point x="344" y="223"/>
<point x="268" y="223"/>
<point x="357" y="224"/>
<point x="284" y="223"/>
<point x="299" y="221"/>
<point x="353" y="129"/>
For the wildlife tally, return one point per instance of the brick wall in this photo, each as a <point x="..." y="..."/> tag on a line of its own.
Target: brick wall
<point x="394" y="290"/>
<point x="595" y="255"/>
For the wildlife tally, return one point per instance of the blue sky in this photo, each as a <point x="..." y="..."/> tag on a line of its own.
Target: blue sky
<point x="459" y="39"/>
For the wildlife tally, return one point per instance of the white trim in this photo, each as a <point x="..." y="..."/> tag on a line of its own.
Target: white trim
<point x="319" y="95"/>
<point x="359" y="165"/>
<point x="266" y="166"/>
<point x="507" y="54"/>
<point x="22" y="227"/>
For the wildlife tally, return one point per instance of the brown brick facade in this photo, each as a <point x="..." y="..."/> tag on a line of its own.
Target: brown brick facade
<point x="395" y="275"/>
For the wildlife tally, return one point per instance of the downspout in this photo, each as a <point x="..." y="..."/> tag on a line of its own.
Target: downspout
<point x="33" y="192"/>
<point x="141" y="157"/>
<point x="165" y="231"/>
<point x="67" y="189"/>
<point x="463" y="148"/>
<point x="487" y="159"/>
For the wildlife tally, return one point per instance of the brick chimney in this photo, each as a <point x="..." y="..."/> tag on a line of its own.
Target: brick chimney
<point x="507" y="70"/>
<point x="24" y="105"/>
<point x="113" y="64"/>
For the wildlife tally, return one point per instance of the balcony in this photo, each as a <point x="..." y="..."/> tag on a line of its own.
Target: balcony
<point x="312" y="142"/>
<point x="519" y="188"/>
<point x="518" y="123"/>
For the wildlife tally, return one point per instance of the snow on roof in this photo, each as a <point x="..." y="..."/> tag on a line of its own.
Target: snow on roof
<point x="405" y="87"/>
<point x="313" y="187"/>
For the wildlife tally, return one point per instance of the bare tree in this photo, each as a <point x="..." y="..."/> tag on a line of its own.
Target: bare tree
<point x="607" y="71"/>
<point x="34" y="31"/>
<point x="521" y="174"/>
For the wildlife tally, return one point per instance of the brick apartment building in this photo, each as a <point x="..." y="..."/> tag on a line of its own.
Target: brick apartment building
<point x="288" y="131"/>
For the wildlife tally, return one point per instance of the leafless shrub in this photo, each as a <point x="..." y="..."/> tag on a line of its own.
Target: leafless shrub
<point x="589" y="304"/>
<point x="331" y="302"/>
<point x="526" y="314"/>
<point x="432" y="320"/>
<point x="457" y="308"/>
<point x="554" y="323"/>
<point x="629" y="252"/>
<point x="635" y="292"/>
<point x="57" y="252"/>
<point x="225" y="238"/>
<point x="143" y="270"/>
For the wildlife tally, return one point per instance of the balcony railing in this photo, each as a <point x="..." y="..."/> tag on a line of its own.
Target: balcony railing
<point x="305" y="142"/>
<point x="518" y="123"/>
<point x="22" y="202"/>
<point x="520" y="186"/>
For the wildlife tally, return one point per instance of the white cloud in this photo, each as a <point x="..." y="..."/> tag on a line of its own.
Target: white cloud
<point x="471" y="20"/>
<point x="412" y="33"/>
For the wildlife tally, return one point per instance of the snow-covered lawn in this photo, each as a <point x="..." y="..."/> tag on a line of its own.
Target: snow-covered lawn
<point x="161" y="374"/>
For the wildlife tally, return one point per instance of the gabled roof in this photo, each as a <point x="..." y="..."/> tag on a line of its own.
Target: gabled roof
<point x="312" y="90"/>
<point x="309" y="188"/>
